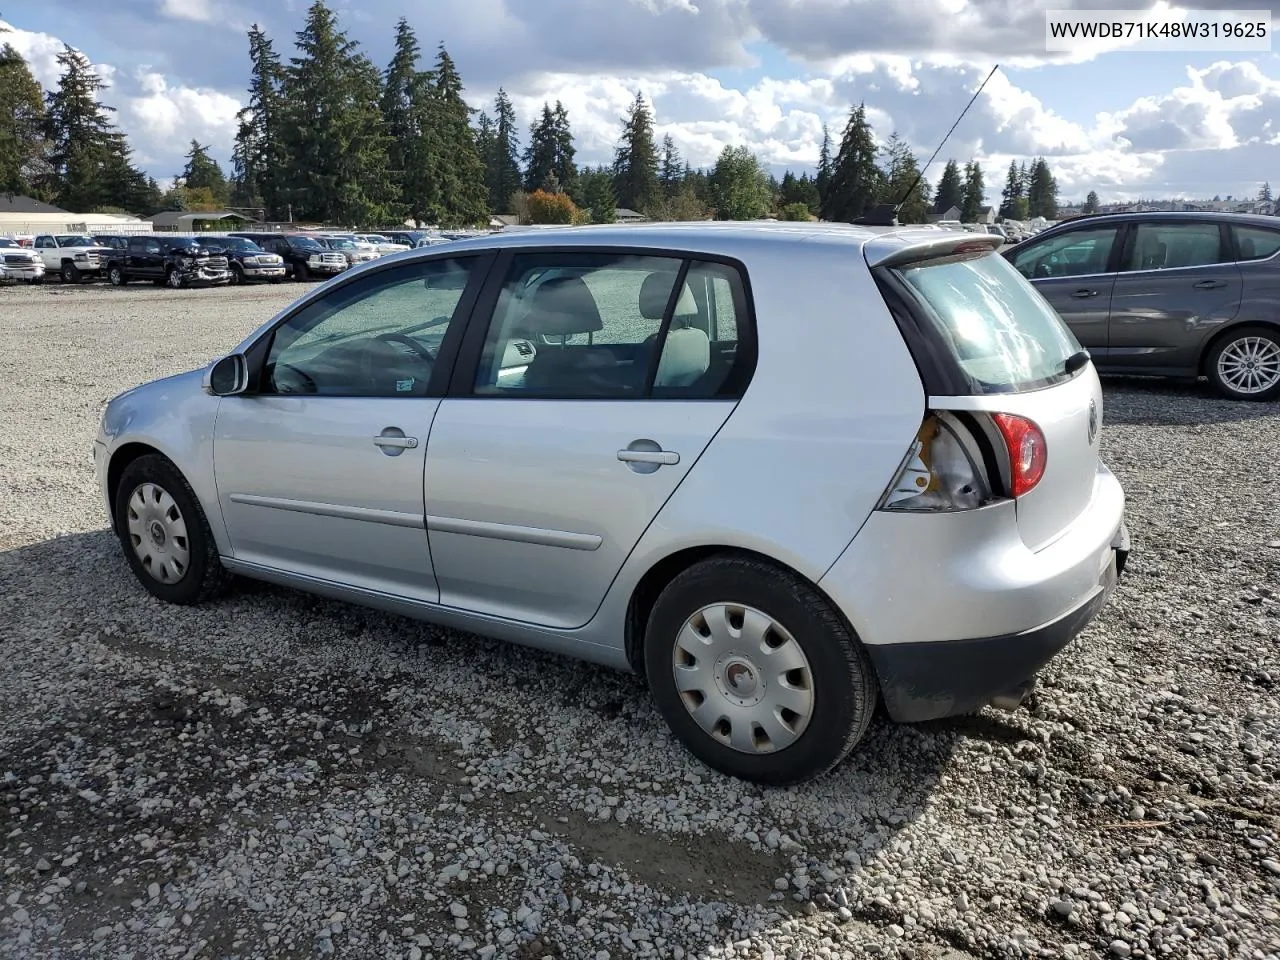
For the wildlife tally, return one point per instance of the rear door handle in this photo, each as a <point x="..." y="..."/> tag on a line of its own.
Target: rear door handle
<point x="668" y="457"/>
<point x="1210" y="284"/>
<point x="1084" y="294"/>
<point x="403" y="443"/>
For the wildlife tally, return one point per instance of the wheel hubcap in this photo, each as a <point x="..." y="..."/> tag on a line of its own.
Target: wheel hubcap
<point x="1250" y="364"/>
<point x="158" y="533"/>
<point x="743" y="678"/>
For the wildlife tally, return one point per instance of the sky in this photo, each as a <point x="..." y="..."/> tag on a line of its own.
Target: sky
<point x="764" y="73"/>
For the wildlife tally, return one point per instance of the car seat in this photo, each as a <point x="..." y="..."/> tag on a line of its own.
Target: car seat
<point x="686" y="354"/>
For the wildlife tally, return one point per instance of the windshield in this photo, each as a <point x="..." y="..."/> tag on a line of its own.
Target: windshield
<point x="5" y="242"/>
<point x="1001" y="331"/>
<point x="239" y="244"/>
<point x="338" y="244"/>
<point x="305" y="243"/>
<point x="75" y="240"/>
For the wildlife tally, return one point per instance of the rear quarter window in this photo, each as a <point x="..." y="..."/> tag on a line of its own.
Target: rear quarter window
<point x="1001" y="333"/>
<point x="1257" y="243"/>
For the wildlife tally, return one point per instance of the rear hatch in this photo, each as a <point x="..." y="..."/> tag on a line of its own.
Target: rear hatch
<point x="995" y="354"/>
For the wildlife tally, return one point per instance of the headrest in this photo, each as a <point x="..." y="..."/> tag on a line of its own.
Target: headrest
<point x="656" y="290"/>
<point x="686" y="356"/>
<point x="561" y="307"/>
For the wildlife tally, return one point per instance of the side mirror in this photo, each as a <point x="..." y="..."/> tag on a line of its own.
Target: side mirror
<point x="227" y="377"/>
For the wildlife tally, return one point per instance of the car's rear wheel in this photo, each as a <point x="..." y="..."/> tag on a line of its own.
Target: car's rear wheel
<point x="755" y="671"/>
<point x="1245" y="364"/>
<point x="165" y="534"/>
<point x="117" y="277"/>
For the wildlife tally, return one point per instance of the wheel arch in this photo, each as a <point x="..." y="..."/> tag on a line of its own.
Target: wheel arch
<point x="656" y="578"/>
<point x="1202" y="364"/>
<point x="124" y="455"/>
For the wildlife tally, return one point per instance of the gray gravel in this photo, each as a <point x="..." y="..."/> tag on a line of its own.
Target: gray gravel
<point x="279" y="776"/>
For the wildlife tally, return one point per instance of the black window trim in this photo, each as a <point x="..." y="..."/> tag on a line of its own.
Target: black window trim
<point x="257" y="352"/>
<point x="1235" y="241"/>
<point x="467" y="363"/>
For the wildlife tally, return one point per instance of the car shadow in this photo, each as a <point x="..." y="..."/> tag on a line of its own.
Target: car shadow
<point x="1149" y="401"/>
<point x="560" y="749"/>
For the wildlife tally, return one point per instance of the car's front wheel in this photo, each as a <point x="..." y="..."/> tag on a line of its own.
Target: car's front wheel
<point x="235" y="276"/>
<point x="173" y="279"/>
<point x="755" y="672"/>
<point x="70" y="273"/>
<point x="1245" y="364"/>
<point x="165" y="534"/>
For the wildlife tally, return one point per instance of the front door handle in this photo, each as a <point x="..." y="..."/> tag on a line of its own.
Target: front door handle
<point x="1210" y="284"/>
<point x="1084" y="294"/>
<point x="667" y="457"/>
<point x="404" y="443"/>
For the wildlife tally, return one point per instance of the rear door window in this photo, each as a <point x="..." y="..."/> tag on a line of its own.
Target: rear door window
<point x="1000" y="331"/>
<point x="1169" y="246"/>
<point x="1256" y="243"/>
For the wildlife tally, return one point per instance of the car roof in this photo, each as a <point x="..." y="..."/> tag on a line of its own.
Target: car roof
<point x="728" y="238"/>
<point x="1216" y="216"/>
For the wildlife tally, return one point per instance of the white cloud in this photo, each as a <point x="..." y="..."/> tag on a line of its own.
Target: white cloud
<point x="170" y="117"/>
<point x="201" y="11"/>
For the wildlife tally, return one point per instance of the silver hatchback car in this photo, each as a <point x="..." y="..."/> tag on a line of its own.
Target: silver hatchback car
<point x="784" y="473"/>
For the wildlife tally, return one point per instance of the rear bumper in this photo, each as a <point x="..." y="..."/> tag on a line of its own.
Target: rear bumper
<point x="954" y="609"/>
<point x="925" y="681"/>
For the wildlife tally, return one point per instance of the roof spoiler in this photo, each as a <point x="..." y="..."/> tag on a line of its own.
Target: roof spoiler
<point x="893" y="250"/>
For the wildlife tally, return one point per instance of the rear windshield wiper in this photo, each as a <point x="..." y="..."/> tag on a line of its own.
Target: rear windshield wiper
<point x="1076" y="361"/>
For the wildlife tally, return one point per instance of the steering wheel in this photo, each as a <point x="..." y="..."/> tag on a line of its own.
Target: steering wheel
<point x="283" y="385"/>
<point x="411" y="343"/>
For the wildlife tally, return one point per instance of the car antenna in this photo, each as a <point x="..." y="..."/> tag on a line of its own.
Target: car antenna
<point x="886" y="214"/>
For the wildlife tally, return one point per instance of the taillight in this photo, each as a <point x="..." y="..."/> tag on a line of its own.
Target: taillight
<point x="938" y="473"/>
<point x="1028" y="451"/>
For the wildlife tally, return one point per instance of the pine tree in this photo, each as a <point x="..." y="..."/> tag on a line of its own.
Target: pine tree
<point x="458" y="169"/>
<point x="802" y="189"/>
<point x="597" y="195"/>
<point x="203" y="171"/>
<point x="671" y="168"/>
<point x="855" y="178"/>
<point x="406" y="112"/>
<point x="338" y="166"/>
<point x="503" y="160"/>
<point x="540" y="155"/>
<point x="974" y="193"/>
<point x="83" y="144"/>
<point x="1042" y="191"/>
<point x="1013" y="204"/>
<point x="950" y="192"/>
<point x="635" y="161"/>
<point x="22" y="123"/>
<point x="258" y="157"/>
<point x="902" y="174"/>
<point x="1264" y="192"/>
<point x="1091" y="204"/>
<point x="565" y="169"/>
<point x="824" y="173"/>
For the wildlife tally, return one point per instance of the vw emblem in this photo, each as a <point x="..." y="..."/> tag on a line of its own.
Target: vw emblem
<point x="1093" y="421"/>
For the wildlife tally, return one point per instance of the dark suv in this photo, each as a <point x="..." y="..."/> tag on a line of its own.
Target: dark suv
<point x="247" y="260"/>
<point x="304" y="257"/>
<point x="1168" y="294"/>
<point x="174" y="261"/>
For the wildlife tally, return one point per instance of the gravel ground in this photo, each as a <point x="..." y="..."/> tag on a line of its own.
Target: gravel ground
<point x="279" y="776"/>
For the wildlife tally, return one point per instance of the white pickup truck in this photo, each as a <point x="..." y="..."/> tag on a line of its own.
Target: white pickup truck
<point x="73" y="256"/>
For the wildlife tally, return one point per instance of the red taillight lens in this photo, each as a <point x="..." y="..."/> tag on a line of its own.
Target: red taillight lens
<point x="1028" y="452"/>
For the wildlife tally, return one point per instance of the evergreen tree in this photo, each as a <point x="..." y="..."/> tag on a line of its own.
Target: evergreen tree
<point x="540" y="155"/>
<point x="457" y="167"/>
<point x="739" y="186"/>
<point x="406" y="107"/>
<point x="802" y="189"/>
<point x="87" y="156"/>
<point x="824" y="173"/>
<point x="203" y="171"/>
<point x="486" y="144"/>
<point x="635" y="161"/>
<point x="1042" y="191"/>
<point x="1091" y="204"/>
<point x="974" y="193"/>
<point x="597" y="195"/>
<point x="503" y="159"/>
<point x="950" y="192"/>
<point x="1013" y="204"/>
<point x="902" y="174"/>
<point x="671" y="168"/>
<point x="22" y="124"/>
<point x="855" y="178"/>
<point x="565" y="169"/>
<point x="258" y="158"/>
<point x="338" y="166"/>
<point x="1264" y="192"/>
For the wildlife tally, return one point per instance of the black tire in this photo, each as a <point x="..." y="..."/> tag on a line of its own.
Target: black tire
<point x="204" y="577"/>
<point x="842" y="679"/>
<point x="1245" y="337"/>
<point x="235" y="276"/>
<point x="116" y="277"/>
<point x="301" y="273"/>
<point x="70" y="273"/>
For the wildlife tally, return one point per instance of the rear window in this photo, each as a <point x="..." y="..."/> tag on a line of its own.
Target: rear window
<point x="997" y="327"/>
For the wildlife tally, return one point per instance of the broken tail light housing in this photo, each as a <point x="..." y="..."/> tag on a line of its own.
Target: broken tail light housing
<point x="939" y="473"/>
